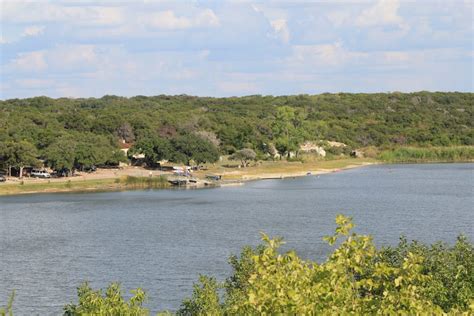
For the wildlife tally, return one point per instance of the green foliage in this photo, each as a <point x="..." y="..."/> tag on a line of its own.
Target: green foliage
<point x="110" y="303"/>
<point x="410" y="154"/>
<point x="288" y="130"/>
<point x="205" y="300"/>
<point x="451" y="269"/>
<point x="182" y="148"/>
<point x="191" y="147"/>
<point x="61" y="154"/>
<point x="148" y="182"/>
<point x="154" y="149"/>
<point x="18" y="154"/>
<point x="8" y="310"/>
<point x="383" y="120"/>
<point x="80" y="151"/>
<point x="244" y="155"/>
<point x="355" y="279"/>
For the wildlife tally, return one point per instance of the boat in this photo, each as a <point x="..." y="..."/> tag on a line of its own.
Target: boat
<point x="178" y="181"/>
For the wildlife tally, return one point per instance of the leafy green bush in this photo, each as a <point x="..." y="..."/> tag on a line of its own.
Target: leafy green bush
<point x="451" y="269"/>
<point x="111" y="303"/>
<point x="355" y="279"/>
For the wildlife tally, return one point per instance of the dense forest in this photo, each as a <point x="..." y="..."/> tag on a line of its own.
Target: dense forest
<point x="78" y="133"/>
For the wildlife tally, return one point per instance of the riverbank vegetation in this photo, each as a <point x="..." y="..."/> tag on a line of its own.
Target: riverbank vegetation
<point x="67" y="134"/>
<point x="90" y="185"/>
<point x="432" y="154"/>
<point x="356" y="278"/>
<point x="145" y="182"/>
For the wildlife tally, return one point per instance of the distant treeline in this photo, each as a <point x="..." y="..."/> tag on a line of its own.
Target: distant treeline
<point x="76" y="133"/>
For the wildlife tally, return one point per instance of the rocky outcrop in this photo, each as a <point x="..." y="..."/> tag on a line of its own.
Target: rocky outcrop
<point x="314" y="148"/>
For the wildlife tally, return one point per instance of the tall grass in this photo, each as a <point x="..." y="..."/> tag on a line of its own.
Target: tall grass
<point x="145" y="182"/>
<point x="431" y="154"/>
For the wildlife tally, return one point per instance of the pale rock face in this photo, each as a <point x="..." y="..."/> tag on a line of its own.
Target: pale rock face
<point x="321" y="152"/>
<point x="336" y="144"/>
<point x="312" y="147"/>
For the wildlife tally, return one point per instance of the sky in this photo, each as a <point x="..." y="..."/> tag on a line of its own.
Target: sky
<point x="232" y="48"/>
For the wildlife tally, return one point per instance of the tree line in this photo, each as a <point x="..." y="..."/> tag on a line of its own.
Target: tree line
<point x="78" y="133"/>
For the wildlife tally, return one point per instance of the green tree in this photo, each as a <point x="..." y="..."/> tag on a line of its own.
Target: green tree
<point x="18" y="155"/>
<point x="288" y="130"/>
<point x="61" y="154"/>
<point x="245" y="156"/>
<point x="191" y="147"/>
<point x="154" y="149"/>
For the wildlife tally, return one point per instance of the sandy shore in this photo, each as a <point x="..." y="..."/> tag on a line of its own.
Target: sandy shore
<point x="111" y="179"/>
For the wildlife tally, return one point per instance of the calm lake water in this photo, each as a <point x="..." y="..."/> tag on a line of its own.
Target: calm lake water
<point x="162" y="240"/>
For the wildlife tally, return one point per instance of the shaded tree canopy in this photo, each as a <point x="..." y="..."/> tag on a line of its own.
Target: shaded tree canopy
<point x="244" y="155"/>
<point x="97" y="126"/>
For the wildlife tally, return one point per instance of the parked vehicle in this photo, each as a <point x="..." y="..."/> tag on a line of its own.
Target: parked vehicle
<point x="213" y="177"/>
<point x="2" y="178"/>
<point x="90" y="169"/>
<point x="65" y="172"/>
<point x="40" y="173"/>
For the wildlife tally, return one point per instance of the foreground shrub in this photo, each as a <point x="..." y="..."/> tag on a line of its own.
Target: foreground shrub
<point x="8" y="309"/>
<point x="111" y="303"/>
<point x="355" y="279"/>
<point x="451" y="270"/>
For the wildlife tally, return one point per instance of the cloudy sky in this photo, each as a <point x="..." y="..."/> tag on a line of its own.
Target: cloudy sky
<point x="221" y="48"/>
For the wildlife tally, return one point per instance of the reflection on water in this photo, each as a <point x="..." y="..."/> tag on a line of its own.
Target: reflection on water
<point x="162" y="240"/>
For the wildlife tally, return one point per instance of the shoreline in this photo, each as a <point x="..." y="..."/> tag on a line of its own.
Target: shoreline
<point x="105" y="183"/>
<point x="291" y="175"/>
<point x="80" y="184"/>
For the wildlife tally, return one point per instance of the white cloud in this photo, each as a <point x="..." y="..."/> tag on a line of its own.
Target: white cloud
<point x="339" y="18"/>
<point x="79" y="57"/>
<point x="3" y="40"/>
<point x="33" y="30"/>
<point x="39" y="11"/>
<point x="229" y="87"/>
<point x="61" y="58"/>
<point x="28" y="62"/>
<point x="34" y="83"/>
<point x="280" y="27"/>
<point x="131" y="47"/>
<point x="168" y="20"/>
<point x="324" y="56"/>
<point x="396" y="57"/>
<point x="384" y="12"/>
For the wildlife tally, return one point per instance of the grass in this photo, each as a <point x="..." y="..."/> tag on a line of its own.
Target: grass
<point x="265" y="169"/>
<point x="109" y="184"/>
<point x="431" y="154"/>
<point x="53" y="186"/>
<point x="148" y="182"/>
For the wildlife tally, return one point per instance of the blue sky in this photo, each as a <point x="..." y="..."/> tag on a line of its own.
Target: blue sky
<point x="225" y="48"/>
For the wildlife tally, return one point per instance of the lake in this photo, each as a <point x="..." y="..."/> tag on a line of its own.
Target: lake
<point x="162" y="240"/>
